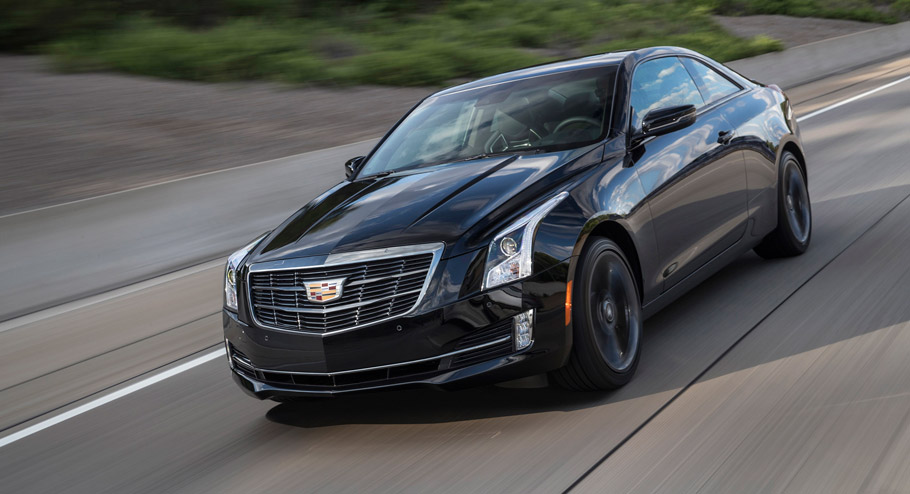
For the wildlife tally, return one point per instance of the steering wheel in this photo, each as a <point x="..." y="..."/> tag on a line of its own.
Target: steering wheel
<point x="576" y="120"/>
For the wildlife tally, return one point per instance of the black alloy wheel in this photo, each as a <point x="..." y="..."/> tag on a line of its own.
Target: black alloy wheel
<point x="606" y="321"/>
<point x="794" y="214"/>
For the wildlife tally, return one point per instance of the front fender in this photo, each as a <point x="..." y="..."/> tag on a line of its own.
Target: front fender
<point x="610" y="201"/>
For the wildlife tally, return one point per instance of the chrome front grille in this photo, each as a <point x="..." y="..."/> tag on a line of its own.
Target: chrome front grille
<point x="373" y="290"/>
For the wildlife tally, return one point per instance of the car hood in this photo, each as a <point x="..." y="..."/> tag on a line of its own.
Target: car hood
<point x="437" y="204"/>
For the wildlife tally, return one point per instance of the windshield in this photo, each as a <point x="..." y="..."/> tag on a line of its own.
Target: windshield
<point x="557" y="111"/>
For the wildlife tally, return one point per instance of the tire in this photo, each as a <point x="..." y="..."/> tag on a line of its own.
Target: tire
<point x="606" y="321"/>
<point x="794" y="213"/>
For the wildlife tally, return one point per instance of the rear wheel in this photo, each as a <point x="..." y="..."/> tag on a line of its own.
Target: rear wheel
<point x="794" y="214"/>
<point x="606" y="321"/>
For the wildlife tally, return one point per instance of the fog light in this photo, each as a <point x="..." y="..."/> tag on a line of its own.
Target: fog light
<point x="523" y="329"/>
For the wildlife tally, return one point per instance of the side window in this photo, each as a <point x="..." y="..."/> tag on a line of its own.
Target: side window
<point x="713" y="86"/>
<point x="661" y="83"/>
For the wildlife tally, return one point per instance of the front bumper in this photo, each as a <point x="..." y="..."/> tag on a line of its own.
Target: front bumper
<point x="467" y="342"/>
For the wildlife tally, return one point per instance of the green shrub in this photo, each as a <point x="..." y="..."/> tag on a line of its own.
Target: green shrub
<point x="383" y="41"/>
<point x="26" y="24"/>
<point x="295" y="67"/>
<point x="415" y="67"/>
<point x="237" y="50"/>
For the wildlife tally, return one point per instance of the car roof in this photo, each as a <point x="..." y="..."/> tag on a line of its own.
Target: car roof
<point x="604" y="59"/>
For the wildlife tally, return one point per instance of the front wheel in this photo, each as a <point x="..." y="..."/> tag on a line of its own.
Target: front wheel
<point x="794" y="214"/>
<point x="606" y="321"/>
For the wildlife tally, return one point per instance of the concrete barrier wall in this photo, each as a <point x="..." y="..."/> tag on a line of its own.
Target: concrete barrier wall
<point x="812" y="61"/>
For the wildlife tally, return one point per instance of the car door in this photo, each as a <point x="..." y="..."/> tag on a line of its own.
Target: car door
<point x="695" y="182"/>
<point x="753" y="114"/>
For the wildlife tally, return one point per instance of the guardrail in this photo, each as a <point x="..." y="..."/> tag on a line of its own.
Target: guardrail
<point x="813" y="61"/>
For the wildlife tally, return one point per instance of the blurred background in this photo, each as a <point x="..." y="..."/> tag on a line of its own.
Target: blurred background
<point x="402" y="43"/>
<point x="301" y="75"/>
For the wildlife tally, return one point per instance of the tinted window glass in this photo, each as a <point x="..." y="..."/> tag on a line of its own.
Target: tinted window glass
<point x="661" y="83"/>
<point x="547" y="112"/>
<point x="713" y="85"/>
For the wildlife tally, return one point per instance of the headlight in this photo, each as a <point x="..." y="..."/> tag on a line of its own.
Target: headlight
<point x="509" y="255"/>
<point x="230" y="272"/>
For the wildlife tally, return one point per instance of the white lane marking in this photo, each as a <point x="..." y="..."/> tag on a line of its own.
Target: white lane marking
<point x="190" y="177"/>
<point x="120" y="393"/>
<point x="28" y="431"/>
<point x="852" y="99"/>
<point x="103" y="297"/>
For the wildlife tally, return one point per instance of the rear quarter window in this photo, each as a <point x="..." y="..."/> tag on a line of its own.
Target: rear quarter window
<point x="711" y="83"/>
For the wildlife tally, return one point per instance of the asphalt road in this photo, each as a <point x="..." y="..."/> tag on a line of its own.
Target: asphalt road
<point x="773" y="376"/>
<point x="62" y="253"/>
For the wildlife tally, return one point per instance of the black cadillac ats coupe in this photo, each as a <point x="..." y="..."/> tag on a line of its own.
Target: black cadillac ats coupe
<point x="522" y="224"/>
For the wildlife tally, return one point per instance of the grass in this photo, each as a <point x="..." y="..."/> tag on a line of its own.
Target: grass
<point x="420" y="43"/>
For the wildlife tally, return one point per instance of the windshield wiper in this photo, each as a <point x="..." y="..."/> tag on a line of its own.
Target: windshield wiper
<point x="486" y="155"/>
<point x="447" y="161"/>
<point x="378" y="174"/>
<point x="471" y="158"/>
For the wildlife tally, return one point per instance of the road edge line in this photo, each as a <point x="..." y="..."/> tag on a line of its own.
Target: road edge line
<point x="56" y="310"/>
<point x="120" y="393"/>
<point x="181" y="179"/>
<point x="852" y="99"/>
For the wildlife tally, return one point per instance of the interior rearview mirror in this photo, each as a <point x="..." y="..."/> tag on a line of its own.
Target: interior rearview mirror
<point x="666" y="120"/>
<point x="352" y="165"/>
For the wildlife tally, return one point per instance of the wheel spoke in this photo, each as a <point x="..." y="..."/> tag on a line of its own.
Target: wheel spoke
<point x="612" y="344"/>
<point x="615" y="330"/>
<point x="797" y="203"/>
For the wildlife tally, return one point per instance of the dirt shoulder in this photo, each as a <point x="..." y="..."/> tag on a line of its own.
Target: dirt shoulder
<point x="792" y="31"/>
<point x="68" y="137"/>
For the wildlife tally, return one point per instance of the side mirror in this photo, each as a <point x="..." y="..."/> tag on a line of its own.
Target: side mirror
<point x="352" y="165"/>
<point x="666" y="120"/>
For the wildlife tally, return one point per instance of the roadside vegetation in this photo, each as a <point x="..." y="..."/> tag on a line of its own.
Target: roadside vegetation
<point x="881" y="11"/>
<point x="405" y="42"/>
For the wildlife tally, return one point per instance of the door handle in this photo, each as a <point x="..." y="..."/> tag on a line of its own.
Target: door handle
<point x="724" y="136"/>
